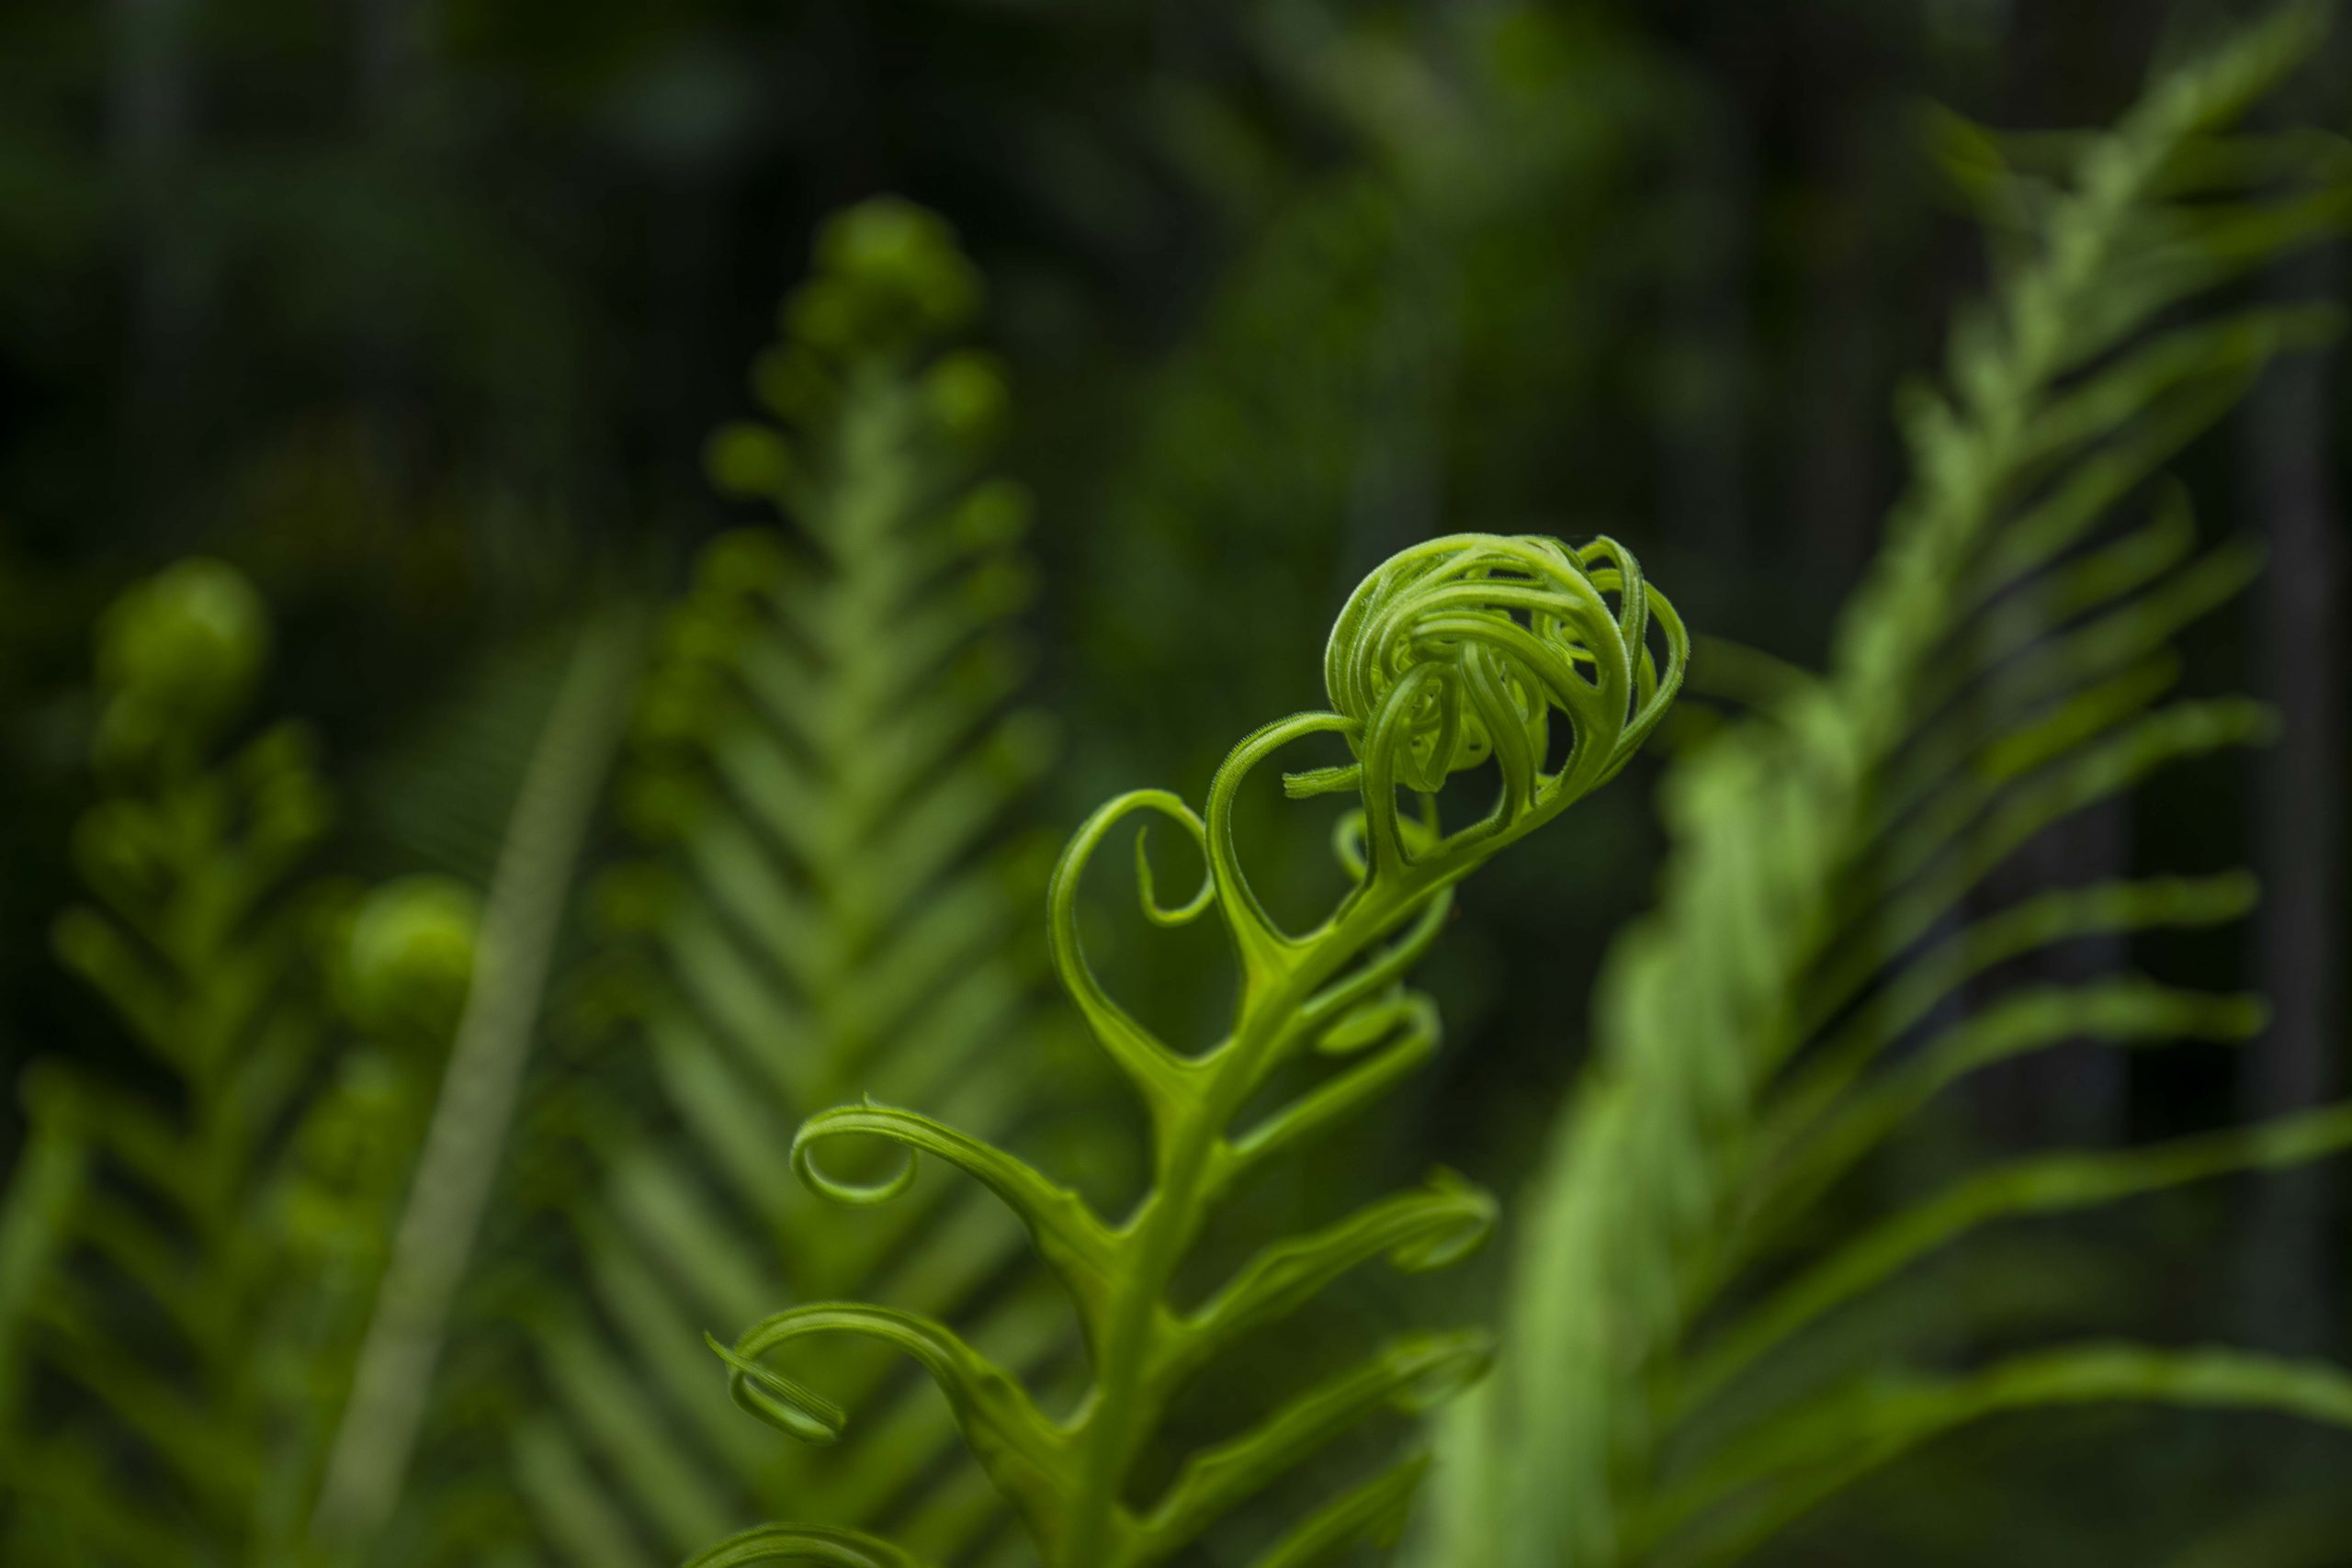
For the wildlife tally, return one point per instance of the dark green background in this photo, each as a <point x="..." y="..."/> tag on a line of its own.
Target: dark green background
<point x="420" y="313"/>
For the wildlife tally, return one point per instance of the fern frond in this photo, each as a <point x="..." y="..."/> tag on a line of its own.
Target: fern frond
<point x="825" y="760"/>
<point x="1462" y="653"/>
<point x="2005" y="665"/>
<point x="186" y="1251"/>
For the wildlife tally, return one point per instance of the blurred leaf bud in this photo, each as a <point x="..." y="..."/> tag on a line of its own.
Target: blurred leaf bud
<point x="966" y="393"/>
<point x="285" y="751"/>
<point x="408" y="956"/>
<point x="747" y="460"/>
<point x="178" y="655"/>
<point x="742" y="561"/>
<point x="348" y="1151"/>
<point x="700" y="638"/>
<point x="196" y="630"/>
<point x="888" y="273"/>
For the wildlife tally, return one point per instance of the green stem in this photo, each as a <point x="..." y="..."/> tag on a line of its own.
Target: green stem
<point x="480" y="1088"/>
<point x="1124" y="1410"/>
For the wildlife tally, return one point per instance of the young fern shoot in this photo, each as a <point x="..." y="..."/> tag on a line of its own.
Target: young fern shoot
<point x="1455" y="653"/>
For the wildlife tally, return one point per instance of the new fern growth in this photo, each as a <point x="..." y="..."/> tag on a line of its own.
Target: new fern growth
<point x="1461" y="652"/>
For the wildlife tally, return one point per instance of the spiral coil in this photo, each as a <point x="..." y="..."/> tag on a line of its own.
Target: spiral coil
<point x="1462" y="650"/>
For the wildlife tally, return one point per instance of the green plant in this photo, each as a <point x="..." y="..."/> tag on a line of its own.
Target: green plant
<point x="189" y="1245"/>
<point x="1790" y="1005"/>
<point x="1456" y="654"/>
<point x="823" y="763"/>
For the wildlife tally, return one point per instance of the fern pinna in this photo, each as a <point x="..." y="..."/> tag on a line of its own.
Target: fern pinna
<point x="825" y="759"/>
<point x="1814" y="975"/>
<point x="1456" y="654"/>
<point x="192" y="1300"/>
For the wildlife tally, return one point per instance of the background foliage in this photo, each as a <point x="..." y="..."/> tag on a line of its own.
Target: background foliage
<point x="420" y="318"/>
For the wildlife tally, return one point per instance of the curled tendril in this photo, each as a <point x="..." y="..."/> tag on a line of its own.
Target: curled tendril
<point x="1066" y="1230"/>
<point x="865" y="1119"/>
<point x="1147" y="891"/>
<point x="1023" y="1452"/>
<point x="1156" y="1072"/>
<point x="1465" y="649"/>
<point x="785" y="1404"/>
<point x="1351" y="843"/>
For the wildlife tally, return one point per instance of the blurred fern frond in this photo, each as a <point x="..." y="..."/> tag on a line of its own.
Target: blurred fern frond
<point x="1821" y="964"/>
<point x="189" y="1242"/>
<point x="825" y="760"/>
<point x="1468" y="652"/>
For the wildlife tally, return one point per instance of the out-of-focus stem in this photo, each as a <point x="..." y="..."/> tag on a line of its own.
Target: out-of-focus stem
<point x="462" y="1146"/>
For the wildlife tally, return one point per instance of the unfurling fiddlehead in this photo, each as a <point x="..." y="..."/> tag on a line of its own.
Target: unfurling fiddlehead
<point x="1455" y="654"/>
